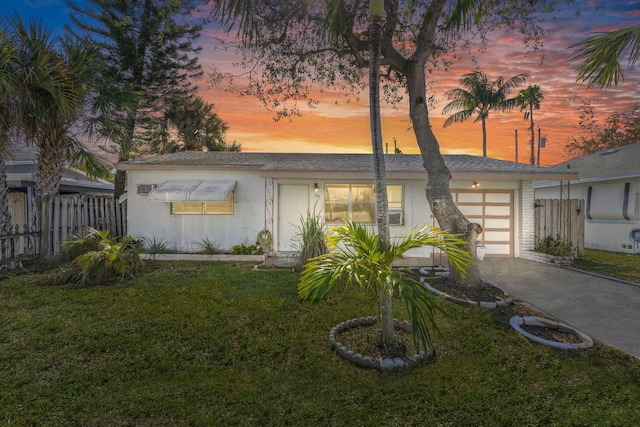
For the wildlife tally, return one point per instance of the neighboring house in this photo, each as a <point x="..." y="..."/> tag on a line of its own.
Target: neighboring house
<point x="609" y="184"/>
<point x="21" y="172"/>
<point x="229" y="198"/>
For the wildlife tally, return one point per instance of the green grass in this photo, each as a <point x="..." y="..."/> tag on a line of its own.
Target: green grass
<point x="221" y="344"/>
<point x="613" y="264"/>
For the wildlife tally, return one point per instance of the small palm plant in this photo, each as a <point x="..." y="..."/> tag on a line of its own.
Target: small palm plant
<point x="100" y="259"/>
<point x="358" y="257"/>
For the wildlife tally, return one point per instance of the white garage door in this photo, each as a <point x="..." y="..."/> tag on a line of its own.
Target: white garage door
<point x="493" y="210"/>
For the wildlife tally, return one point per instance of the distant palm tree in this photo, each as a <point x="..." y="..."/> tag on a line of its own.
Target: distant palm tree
<point x="600" y="55"/>
<point x="197" y="127"/>
<point x="479" y="96"/>
<point x="530" y="98"/>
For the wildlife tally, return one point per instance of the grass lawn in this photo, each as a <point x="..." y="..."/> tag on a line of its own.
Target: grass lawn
<point x="613" y="264"/>
<point x="221" y="344"/>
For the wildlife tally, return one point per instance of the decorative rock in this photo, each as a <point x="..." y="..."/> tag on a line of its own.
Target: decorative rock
<point x="387" y="364"/>
<point x="399" y="362"/>
<point x="407" y="327"/>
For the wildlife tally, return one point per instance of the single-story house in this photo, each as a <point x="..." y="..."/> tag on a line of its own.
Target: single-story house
<point x="228" y="198"/>
<point x="21" y="179"/>
<point x="609" y="184"/>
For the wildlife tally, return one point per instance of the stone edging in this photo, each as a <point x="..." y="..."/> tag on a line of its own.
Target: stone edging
<point x="386" y="364"/>
<point x="517" y="322"/>
<point x="489" y="305"/>
<point x="202" y="257"/>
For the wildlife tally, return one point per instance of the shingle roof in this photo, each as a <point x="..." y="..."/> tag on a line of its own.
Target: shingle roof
<point x="616" y="162"/>
<point x="323" y="163"/>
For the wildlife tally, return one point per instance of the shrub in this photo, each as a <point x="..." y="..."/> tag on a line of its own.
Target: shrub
<point x="156" y="245"/>
<point x="208" y="247"/>
<point x="310" y="240"/>
<point x="246" y="250"/>
<point x="555" y="246"/>
<point x="100" y="259"/>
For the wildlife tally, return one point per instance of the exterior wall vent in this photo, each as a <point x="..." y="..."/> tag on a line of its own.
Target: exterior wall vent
<point x="144" y="189"/>
<point x="395" y="218"/>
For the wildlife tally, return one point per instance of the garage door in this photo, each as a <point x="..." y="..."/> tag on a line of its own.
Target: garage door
<point x="493" y="210"/>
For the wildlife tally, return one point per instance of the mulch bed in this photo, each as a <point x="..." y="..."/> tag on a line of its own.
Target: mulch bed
<point x="551" y="334"/>
<point x="482" y="292"/>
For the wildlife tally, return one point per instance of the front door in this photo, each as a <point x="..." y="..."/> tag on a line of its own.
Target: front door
<point x="293" y="203"/>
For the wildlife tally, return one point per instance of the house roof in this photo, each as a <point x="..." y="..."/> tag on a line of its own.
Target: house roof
<point x="21" y="171"/>
<point x="315" y="165"/>
<point x="619" y="162"/>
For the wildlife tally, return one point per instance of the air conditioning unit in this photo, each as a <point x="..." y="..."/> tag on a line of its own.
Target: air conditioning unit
<point x="396" y="218"/>
<point x="144" y="189"/>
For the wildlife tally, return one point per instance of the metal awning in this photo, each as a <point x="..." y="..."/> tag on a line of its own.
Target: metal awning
<point x="192" y="191"/>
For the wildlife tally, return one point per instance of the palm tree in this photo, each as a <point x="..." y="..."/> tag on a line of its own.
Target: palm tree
<point x="600" y="55"/>
<point x="7" y="87"/>
<point x="359" y="257"/>
<point x="196" y="125"/>
<point x="479" y="96"/>
<point x="55" y="76"/>
<point x="530" y="98"/>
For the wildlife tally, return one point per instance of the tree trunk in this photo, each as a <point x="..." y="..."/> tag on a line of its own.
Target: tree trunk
<point x="484" y="137"/>
<point x="438" y="193"/>
<point x="382" y="215"/>
<point x="50" y="167"/>
<point x="533" y="138"/>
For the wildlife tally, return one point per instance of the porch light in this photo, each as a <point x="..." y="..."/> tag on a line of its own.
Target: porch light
<point x="315" y="187"/>
<point x="475" y="184"/>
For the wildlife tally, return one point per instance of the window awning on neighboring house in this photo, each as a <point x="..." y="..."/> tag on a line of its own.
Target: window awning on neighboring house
<point x="192" y="191"/>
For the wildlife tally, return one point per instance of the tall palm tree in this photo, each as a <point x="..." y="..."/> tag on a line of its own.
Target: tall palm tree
<point x="55" y="75"/>
<point x="7" y="87"/>
<point x="600" y="56"/>
<point x="479" y="96"/>
<point x="529" y="99"/>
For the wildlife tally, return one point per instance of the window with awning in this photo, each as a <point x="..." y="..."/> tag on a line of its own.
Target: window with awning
<point x="196" y="197"/>
<point x="193" y="191"/>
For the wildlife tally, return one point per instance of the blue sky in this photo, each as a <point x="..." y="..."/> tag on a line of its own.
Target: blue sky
<point x="323" y="129"/>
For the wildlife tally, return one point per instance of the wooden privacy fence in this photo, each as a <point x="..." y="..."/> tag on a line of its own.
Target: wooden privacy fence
<point x="563" y="218"/>
<point x="70" y="215"/>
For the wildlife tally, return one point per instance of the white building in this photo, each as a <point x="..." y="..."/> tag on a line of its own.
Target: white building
<point x="228" y="198"/>
<point x="609" y="184"/>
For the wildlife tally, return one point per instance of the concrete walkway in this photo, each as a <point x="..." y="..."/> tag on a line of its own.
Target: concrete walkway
<point x="606" y="310"/>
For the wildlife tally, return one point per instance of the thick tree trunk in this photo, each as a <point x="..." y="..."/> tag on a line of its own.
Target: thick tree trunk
<point x="438" y="193"/>
<point x="50" y="167"/>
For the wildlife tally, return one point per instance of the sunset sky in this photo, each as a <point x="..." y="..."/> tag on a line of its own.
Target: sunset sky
<point x="338" y="126"/>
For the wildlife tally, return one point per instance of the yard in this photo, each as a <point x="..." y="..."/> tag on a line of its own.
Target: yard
<point x="612" y="264"/>
<point x="223" y="344"/>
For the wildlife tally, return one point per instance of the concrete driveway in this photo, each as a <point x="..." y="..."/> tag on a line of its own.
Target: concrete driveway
<point x="607" y="310"/>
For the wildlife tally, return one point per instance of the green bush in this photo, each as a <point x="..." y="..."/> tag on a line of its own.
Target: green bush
<point x="246" y="250"/>
<point x="555" y="246"/>
<point x="99" y="259"/>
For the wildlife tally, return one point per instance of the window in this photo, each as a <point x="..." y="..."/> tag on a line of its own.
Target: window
<point x="358" y="202"/>
<point x="203" y="208"/>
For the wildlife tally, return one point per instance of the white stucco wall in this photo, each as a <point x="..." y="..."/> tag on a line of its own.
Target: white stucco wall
<point x="183" y="232"/>
<point x="609" y="235"/>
